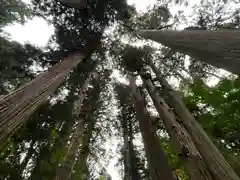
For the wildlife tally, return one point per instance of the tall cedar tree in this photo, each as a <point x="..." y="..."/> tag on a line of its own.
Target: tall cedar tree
<point x="182" y="140"/>
<point x="127" y="119"/>
<point x="33" y="94"/>
<point x="95" y="101"/>
<point x="219" y="167"/>
<point x="157" y="161"/>
<point x="219" y="48"/>
<point x="79" y="112"/>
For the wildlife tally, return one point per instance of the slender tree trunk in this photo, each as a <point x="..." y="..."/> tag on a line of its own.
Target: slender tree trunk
<point x="195" y="166"/>
<point x="127" y="159"/>
<point x="16" y="107"/>
<point x="81" y="164"/>
<point x="218" y="166"/>
<point x="130" y="166"/>
<point x="219" y="48"/>
<point x="79" y="111"/>
<point x="65" y="170"/>
<point x="134" y="169"/>
<point x="158" y="164"/>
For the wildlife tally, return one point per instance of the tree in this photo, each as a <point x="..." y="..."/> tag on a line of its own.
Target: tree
<point x="219" y="115"/>
<point x="158" y="165"/>
<point x="183" y="142"/>
<point x="31" y="96"/>
<point x="80" y="111"/>
<point x="218" y="48"/>
<point x="128" y="119"/>
<point x="13" y="11"/>
<point x="81" y="170"/>
<point x="215" y="161"/>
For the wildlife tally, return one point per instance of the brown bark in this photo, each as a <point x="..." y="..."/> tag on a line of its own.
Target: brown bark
<point x="130" y="166"/>
<point x="81" y="163"/>
<point x="65" y="169"/>
<point x="219" y="48"/>
<point x="216" y="163"/>
<point x="157" y="161"/>
<point x="195" y="165"/>
<point x="16" y="107"/>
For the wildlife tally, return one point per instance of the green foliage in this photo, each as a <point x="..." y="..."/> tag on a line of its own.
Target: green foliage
<point x="133" y="58"/>
<point x="13" y="11"/>
<point x="15" y="60"/>
<point x="173" y="159"/>
<point x="218" y="112"/>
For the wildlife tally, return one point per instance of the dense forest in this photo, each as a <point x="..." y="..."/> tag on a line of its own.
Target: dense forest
<point x="119" y="93"/>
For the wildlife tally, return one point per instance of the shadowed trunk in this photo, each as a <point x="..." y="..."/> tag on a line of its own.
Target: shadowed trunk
<point x="16" y="107"/>
<point x="157" y="161"/>
<point x="216" y="163"/>
<point x="79" y="112"/>
<point x="195" y="166"/>
<point x="130" y="164"/>
<point x="219" y="48"/>
<point x="81" y="166"/>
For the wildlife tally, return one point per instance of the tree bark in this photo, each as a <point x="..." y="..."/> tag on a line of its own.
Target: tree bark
<point x="81" y="164"/>
<point x="134" y="168"/>
<point x="127" y="160"/>
<point x="16" y="107"/>
<point x="195" y="165"/>
<point x="158" y="164"/>
<point x="130" y="165"/>
<point x="65" y="169"/>
<point x="216" y="163"/>
<point x="219" y="48"/>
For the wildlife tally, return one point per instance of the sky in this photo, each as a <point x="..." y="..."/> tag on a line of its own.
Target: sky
<point x="37" y="31"/>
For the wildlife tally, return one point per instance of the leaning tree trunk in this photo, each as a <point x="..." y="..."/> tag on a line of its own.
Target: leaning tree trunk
<point x="16" y="107"/>
<point x="218" y="166"/>
<point x="195" y="165"/>
<point x="157" y="161"/>
<point x="220" y="48"/>
<point x="81" y="167"/>
<point x="79" y="111"/>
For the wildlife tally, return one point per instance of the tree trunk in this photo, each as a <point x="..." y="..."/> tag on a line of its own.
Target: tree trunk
<point x="81" y="164"/>
<point x="219" y="48"/>
<point x="130" y="165"/>
<point x="127" y="159"/>
<point x="158" y="164"/>
<point x="134" y="168"/>
<point x="195" y="166"/>
<point x="79" y="111"/>
<point x="16" y="107"/>
<point x="65" y="170"/>
<point x="218" y="166"/>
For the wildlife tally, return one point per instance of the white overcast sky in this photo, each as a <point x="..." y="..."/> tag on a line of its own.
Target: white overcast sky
<point x="37" y="31"/>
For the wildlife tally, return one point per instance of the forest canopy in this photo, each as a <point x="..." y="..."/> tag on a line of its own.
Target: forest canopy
<point x="121" y="93"/>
